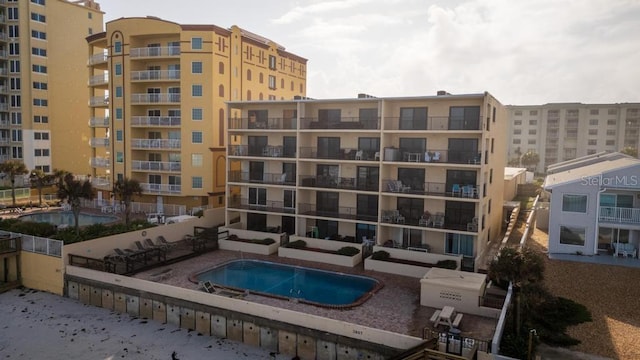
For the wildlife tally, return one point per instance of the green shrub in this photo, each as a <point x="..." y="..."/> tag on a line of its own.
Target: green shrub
<point x="32" y="228"/>
<point x="298" y="244"/>
<point x="380" y="255"/>
<point x="447" y="264"/>
<point x="267" y="241"/>
<point x="348" y="251"/>
<point x="233" y="237"/>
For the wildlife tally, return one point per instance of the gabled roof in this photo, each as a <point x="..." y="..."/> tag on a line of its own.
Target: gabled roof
<point x="578" y="174"/>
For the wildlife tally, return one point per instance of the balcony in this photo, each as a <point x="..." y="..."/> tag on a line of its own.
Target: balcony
<point x="99" y="142"/>
<point x="98" y="162"/>
<point x="167" y="144"/>
<point x="337" y="212"/>
<point x="432" y="156"/>
<point x="345" y="123"/>
<point x="3" y="53"/>
<point x="99" y="101"/>
<point x="99" y="122"/>
<point x="434" y="123"/>
<point x="98" y="59"/>
<point x="270" y="206"/>
<point x="263" y="124"/>
<point x="155" y="121"/>
<point x="435" y="220"/>
<point x="4" y="141"/>
<point x="155" y="75"/>
<point x="259" y="151"/>
<point x="4" y="107"/>
<point x="154" y="52"/>
<point x="160" y="188"/>
<point x="338" y="154"/>
<point x="166" y="98"/>
<point x="619" y="215"/>
<point x="3" y="71"/>
<point x="465" y="191"/>
<point x="266" y="178"/>
<point x="335" y="182"/>
<point x="101" y="182"/>
<point x="98" y="80"/>
<point x="3" y="36"/>
<point x="166" y="166"/>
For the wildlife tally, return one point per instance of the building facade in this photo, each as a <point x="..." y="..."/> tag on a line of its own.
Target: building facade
<point x="43" y="87"/>
<point x="565" y="131"/>
<point x="157" y="94"/>
<point x="418" y="173"/>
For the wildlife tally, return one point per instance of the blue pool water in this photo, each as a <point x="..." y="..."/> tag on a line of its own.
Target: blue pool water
<point x="66" y="218"/>
<point x="315" y="286"/>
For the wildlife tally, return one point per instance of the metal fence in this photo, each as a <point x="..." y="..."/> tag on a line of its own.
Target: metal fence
<point x="38" y="245"/>
<point x="21" y="194"/>
<point x="140" y="208"/>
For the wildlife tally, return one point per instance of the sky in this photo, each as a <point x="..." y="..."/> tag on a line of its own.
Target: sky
<point x="524" y="52"/>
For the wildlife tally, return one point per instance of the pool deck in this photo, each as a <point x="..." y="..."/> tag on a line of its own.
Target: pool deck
<point x="395" y="308"/>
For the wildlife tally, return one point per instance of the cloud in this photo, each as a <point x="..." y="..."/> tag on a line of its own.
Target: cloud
<point x="317" y="8"/>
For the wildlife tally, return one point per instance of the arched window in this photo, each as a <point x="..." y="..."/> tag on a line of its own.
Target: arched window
<point x="261" y="78"/>
<point x="249" y="74"/>
<point x="282" y="84"/>
<point x="248" y="94"/>
<point x="221" y="67"/>
<point x="261" y="97"/>
<point x="292" y="85"/>
<point x="221" y="90"/>
<point x="300" y="88"/>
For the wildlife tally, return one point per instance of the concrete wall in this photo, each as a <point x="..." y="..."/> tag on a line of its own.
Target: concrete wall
<point x="395" y="268"/>
<point x="293" y="333"/>
<point x="249" y="247"/>
<point x="42" y="272"/>
<point x="340" y="260"/>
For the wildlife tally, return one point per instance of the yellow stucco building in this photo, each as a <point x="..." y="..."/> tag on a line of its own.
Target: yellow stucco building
<point x="157" y="101"/>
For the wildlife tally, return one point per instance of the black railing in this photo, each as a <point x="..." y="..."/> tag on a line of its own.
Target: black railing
<point x="344" y="123"/>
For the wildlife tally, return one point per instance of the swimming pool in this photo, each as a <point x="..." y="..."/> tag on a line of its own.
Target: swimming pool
<point x="317" y="287"/>
<point x="66" y="218"/>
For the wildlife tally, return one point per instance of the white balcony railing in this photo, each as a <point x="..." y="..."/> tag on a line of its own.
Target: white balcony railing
<point x="171" y="166"/>
<point x="159" y="51"/>
<point x="99" y="122"/>
<point x="98" y="59"/>
<point x="99" y="79"/>
<point x="99" y="101"/>
<point x="161" y="188"/>
<point x="155" y="75"/>
<point x="155" y="144"/>
<point x="619" y="215"/>
<point x="99" y="142"/>
<point x="102" y="182"/>
<point x="100" y="162"/>
<point x="159" y="121"/>
<point x="155" y="98"/>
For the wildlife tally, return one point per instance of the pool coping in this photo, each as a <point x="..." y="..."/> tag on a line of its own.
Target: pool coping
<point x="379" y="284"/>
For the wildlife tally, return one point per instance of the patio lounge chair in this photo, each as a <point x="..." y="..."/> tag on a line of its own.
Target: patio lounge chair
<point x="150" y="244"/>
<point x="209" y="287"/>
<point x="160" y="240"/>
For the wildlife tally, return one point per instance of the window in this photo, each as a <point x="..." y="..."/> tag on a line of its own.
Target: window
<point x="593" y="122"/>
<point x="38" y="17"/>
<point x="14" y="31"/>
<point x="14" y="66"/>
<point x="413" y="118"/>
<point x="459" y="244"/>
<point x="592" y="142"/>
<point x="38" y="2"/>
<point x="40" y="102"/>
<point x="531" y="141"/>
<point x="574" y="203"/>
<point x="221" y="67"/>
<point x="16" y="152"/>
<point x="196" y="160"/>
<point x="196" y="114"/>
<point x="570" y="235"/>
<point x="532" y="131"/>
<point x="41" y="119"/>
<point x="517" y="131"/>
<point x="196" y="67"/>
<point x="16" y="101"/>
<point x="517" y="113"/>
<point x="39" y="69"/>
<point x="610" y="142"/>
<point x="272" y="82"/>
<point x="13" y="13"/>
<point x="611" y="122"/>
<point x="119" y="135"/>
<point x="196" y="182"/>
<point x="118" y="113"/>
<point x="593" y="131"/>
<point x="41" y="152"/>
<point x="118" y="91"/>
<point x="119" y="157"/>
<point x="15" y="84"/>
<point x="594" y="111"/>
<point x="516" y="141"/>
<point x="117" y="47"/>
<point x="14" y="48"/>
<point x="272" y="62"/>
<point x="533" y="112"/>
<point x="611" y="133"/>
<point x="196" y="43"/>
<point x="90" y="15"/>
<point x="572" y="133"/>
<point x="517" y="122"/>
<point x="196" y="137"/>
<point x="464" y="118"/>
<point x="533" y="122"/>
<point x="196" y="90"/>
<point x="39" y="35"/>
<point x="38" y="51"/>
<point x="221" y="90"/>
<point x="249" y="74"/>
<point x="16" y="118"/>
<point x="16" y="135"/>
<point x="118" y="69"/>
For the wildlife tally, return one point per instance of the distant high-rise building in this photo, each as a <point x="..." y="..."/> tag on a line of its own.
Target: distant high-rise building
<point x="565" y="131"/>
<point x="157" y="100"/>
<point x="43" y="83"/>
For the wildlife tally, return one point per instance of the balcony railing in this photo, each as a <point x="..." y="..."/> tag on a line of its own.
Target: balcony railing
<point x="3" y="71"/>
<point x="269" y="205"/>
<point x="432" y="220"/>
<point x="155" y="98"/>
<point x="155" y="143"/>
<point x="345" y="123"/>
<point x="99" y="79"/>
<point x="338" y="212"/>
<point x="98" y="59"/>
<point x="259" y="151"/>
<point x="432" y="156"/>
<point x="99" y="101"/>
<point x="264" y="178"/>
<point x="338" y="154"/>
<point x="619" y="215"/>
<point x="159" y="51"/>
<point x="468" y="191"/>
<point x="101" y="182"/>
<point x="335" y="182"/>
<point x="434" y="123"/>
<point x="10" y="245"/>
<point x="5" y="141"/>
<point x="161" y="188"/>
<point x="146" y="75"/>
<point x="3" y="53"/>
<point x="5" y="123"/>
<point x="100" y="162"/>
<point x="169" y="166"/>
<point x="99" y="122"/>
<point x="99" y="142"/>
<point x="4" y="107"/>
<point x="157" y="121"/>
<point x="270" y="123"/>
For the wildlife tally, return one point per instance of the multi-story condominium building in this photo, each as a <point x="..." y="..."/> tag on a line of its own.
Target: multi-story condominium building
<point x="158" y="92"/>
<point x="421" y="173"/>
<point x="565" y="131"/>
<point x="43" y="87"/>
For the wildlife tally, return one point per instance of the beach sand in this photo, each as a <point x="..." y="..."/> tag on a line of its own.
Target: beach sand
<point x="39" y="325"/>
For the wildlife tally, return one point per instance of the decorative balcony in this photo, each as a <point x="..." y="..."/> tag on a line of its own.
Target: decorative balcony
<point x="99" y="162"/>
<point x="270" y="206"/>
<point x="97" y="80"/>
<point x="165" y="166"/>
<point x="167" y="98"/>
<point x="155" y="75"/>
<point x="263" y="124"/>
<point x="160" y="188"/>
<point x="345" y="123"/>
<point x="155" y="121"/>
<point x="99" y="101"/>
<point x="98" y="59"/>
<point x="619" y="215"/>
<point x="434" y="123"/>
<point x="99" y="122"/>
<point x="159" y="51"/>
<point x="265" y="178"/>
<point x="168" y="144"/>
<point x="337" y="212"/>
<point x="99" y="142"/>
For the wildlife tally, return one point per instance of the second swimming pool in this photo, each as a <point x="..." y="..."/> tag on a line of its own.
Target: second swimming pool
<point x="314" y="286"/>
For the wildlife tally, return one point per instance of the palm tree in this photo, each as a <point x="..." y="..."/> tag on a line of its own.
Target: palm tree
<point x="13" y="168"/>
<point x="39" y="179"/>
<point x="73" y="190"/>
<point x="530" y="159"/>
<point x="125" y="189"/>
